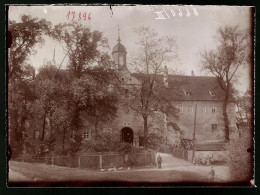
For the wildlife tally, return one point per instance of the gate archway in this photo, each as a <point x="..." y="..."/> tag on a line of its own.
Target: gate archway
<point x="127" y="135"/>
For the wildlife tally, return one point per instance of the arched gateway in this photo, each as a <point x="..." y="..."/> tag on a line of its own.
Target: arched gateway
<point x="127" y="135"/>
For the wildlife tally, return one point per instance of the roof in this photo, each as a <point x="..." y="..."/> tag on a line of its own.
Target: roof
<point x="191" y="88"/>
<point x="196" y="87"/>
<point x="119" y="48"/>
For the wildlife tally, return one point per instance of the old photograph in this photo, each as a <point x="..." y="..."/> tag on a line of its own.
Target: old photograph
<point x="130" y="96"/>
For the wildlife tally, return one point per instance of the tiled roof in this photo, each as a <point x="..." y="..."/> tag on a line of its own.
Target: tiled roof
<point x="191" y="88"/>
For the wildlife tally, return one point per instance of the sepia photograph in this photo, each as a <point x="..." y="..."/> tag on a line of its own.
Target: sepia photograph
<point x="130" y="96"/>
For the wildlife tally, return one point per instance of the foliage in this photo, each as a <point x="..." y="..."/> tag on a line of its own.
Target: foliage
<point x="244" y="104"/>
<point x="21" y="97"/>
<point x="107" y="143"/>
<point x="25" y="35"/>
<point x="224" y="61"/>
<point x="240" y="156"/>
<point x="82" y="46"/>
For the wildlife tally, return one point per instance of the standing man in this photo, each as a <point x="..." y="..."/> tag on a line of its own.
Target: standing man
<point x="211" y="175"/>
<point x="159" y="161"/>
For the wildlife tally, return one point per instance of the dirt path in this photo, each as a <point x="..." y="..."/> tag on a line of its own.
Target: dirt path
<point x="222" y="173"/>
<point x="15" y="176"/>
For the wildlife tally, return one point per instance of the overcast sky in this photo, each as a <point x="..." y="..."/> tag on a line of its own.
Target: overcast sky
<point x="193" y="34"/>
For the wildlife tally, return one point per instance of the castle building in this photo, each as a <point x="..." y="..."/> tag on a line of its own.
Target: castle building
<point x="200" y="105"/>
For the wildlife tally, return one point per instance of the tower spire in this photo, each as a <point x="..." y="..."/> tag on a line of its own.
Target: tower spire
<point x="118" y="33"/>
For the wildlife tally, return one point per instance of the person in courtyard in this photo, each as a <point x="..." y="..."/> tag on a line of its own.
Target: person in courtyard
<point x="194" y="160"/>
<point x="159" y="161"/>
<point x="211" y="175"/>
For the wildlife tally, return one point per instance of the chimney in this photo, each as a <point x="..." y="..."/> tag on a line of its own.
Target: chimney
<point x="165" y="76"/>
<point x="192" y="73"/>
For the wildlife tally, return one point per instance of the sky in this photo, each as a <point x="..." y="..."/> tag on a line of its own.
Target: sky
<point x="194" y="31"/>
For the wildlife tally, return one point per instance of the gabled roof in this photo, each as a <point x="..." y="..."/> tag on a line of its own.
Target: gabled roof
<point x="196" y="87"/>
<point x="191" y="88"/>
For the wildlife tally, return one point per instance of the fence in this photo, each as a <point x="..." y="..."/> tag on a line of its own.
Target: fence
<point x="178" y="153"/>
<point x="100" y="161"/>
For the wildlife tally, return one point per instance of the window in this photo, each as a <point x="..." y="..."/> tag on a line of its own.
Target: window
<point x="214" y="126"/>
<point x="108" y="130"/>
<point x="126" y="124"/>
<point x="204" y="109"/>
<point x="213" y="109"/>
<point x="122" y="79"/>
<point x="121" y="60"/>
<point x="181" y="108"/>
<point x="84" y="135"/>
<point x="72" y="134"/>
<point x="190" y="108"/>
<point x="37" y="134"/>
<point x="212" y="93"/>
<point x="186" y="92"/>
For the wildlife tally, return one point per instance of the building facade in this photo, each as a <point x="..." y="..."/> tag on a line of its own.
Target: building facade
<point x="199" y="102"/>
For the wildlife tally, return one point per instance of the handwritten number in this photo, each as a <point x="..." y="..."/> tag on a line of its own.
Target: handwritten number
<point x="173" y="13"/>
<point x="89" y="17"/>
<point x="195" y="12"/>
<point x="68" y="15"/>
<point x="180" y="13"/>
<point x="73" y="13"/>
<point x="85" y="16"/>
<point x="79" y="16"/>
<point x="188" y="13"/>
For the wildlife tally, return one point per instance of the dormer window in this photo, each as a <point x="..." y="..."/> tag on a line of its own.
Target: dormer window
<point x="186" y="92"/>
<point x="212" y="93"/>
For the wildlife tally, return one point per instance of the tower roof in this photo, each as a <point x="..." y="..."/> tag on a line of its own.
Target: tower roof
<point x="119" y="47"/>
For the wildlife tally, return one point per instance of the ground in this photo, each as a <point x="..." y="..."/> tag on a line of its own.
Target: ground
<point x="174" y="171"/>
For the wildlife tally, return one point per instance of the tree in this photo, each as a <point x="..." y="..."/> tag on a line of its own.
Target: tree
<point x="103" y="105"/>
<point x="224" y="61"/>
<point x="95" y="94"/>
<point x="150" y="94"/>
<point x="21" y="97"/>
<point x="244" y="105"/>
<point x="82" y="46"/>
<point x="25" y="36"/>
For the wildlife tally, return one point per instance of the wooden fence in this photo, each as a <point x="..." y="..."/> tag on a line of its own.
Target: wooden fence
<point x="94" y="161"/>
